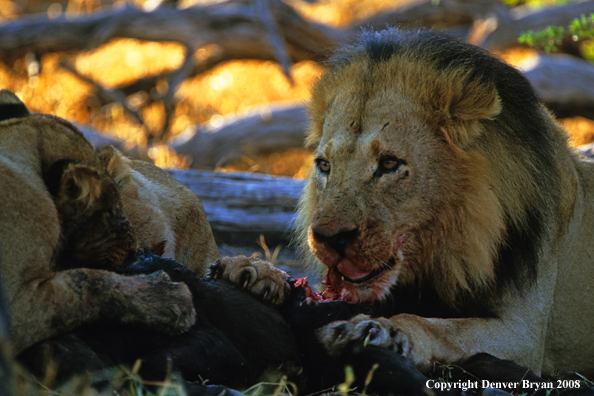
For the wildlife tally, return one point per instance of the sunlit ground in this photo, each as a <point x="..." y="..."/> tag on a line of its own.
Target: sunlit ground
<point x="229" y="89"/>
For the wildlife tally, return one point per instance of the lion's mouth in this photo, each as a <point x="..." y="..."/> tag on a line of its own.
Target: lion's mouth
<point x="348" y="271"/>
<point x="357" y="285"/>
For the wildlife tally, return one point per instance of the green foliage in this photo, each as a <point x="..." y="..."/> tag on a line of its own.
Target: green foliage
<point x="580" y="29"/>
<point x="535" y="4"/>
<point x="548" y="39"/>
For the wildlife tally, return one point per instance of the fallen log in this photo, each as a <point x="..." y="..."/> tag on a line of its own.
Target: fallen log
<point x="262" y="131"/>
<point x="242" y="206"/>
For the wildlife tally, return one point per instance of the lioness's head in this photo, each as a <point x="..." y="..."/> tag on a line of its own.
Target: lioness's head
<point x="415" y="179"/>
<point x="95" y="230"/>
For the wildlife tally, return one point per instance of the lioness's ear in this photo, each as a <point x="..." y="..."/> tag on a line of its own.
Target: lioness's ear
<point x="116" y="164"/>
<point x="68" y="180"/>
<point x="106" y="153"/>
<point x="460" y="106"/>
<point x="11" y="106"/>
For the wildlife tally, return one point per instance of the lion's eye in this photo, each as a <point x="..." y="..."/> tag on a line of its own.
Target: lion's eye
<point x="389" y="163"/>
<point x="323" y="166"/>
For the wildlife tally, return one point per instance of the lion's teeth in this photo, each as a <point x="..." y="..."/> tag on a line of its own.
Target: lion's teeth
<point x="342" y="277"/>
<point x="367" y="340"/>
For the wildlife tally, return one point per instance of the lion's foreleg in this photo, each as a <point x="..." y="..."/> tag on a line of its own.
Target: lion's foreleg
<point x="46" y="307"/>
<point x="427" y="341"/>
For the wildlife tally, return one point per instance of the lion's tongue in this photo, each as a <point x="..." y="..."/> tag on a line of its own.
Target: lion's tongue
<point x="350" y="270"/>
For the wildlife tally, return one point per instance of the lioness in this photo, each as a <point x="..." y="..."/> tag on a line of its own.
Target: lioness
<point x="52" y="183"/>
<point x="166" y="215"/>
<point x="444" y="192"/>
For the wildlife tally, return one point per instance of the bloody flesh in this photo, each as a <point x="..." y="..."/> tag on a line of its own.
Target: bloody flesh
<point x="330" y="294"/>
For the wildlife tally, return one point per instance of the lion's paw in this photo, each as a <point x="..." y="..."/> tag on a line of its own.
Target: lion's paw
<point x="164" y="305"/>
<point x="254" y="275"/>
<point x="361" y="331"/>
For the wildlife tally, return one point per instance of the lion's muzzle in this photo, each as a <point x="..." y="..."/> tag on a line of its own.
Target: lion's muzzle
<point x="337" y="240"/>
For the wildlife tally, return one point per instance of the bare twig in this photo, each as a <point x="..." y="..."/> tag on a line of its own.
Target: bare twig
<point x="263" y="13"/>
<point x="173" y="82"/>
<point x="112" y="95"/>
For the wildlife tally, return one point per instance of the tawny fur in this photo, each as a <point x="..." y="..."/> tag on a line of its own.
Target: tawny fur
<point x="162" y="211"/>
<point x="489" y="211"/>
<point x="43" y="303"/>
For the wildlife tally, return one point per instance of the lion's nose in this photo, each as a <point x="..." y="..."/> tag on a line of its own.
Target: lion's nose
<point x="336" y="240"/>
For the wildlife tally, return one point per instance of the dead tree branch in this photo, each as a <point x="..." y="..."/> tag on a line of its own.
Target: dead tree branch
<point x="264" y="14"/>
<point x="108" y="95"/>
<point x="443" y="14"/>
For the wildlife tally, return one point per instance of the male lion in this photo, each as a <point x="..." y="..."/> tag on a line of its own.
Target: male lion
<point x="60" y="210"/>
<point x="445" y="193"/>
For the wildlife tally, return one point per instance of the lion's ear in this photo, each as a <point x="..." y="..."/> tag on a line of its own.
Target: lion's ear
<point x="462" y="106"/>
<point x="116" y="164"/>
<point x="11" y="106"/>
<point x="106" y="155"/>
<point x="68" y="180"/>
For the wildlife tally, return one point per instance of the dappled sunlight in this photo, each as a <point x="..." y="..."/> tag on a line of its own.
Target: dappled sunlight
<point x="54" y="90"/>
<point x="295" y="163"/>
<point x="237" y="86"/>
<point x="518" y="57"/>
<point x="581" y="130"/>
<point x="339" y="13"/>
<point x="123" y="61"/>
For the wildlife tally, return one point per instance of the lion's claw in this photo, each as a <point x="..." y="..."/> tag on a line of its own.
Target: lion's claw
<point x="164" y="305"/>
<point x="258" y="277"/>
<point x="362" y="331"/>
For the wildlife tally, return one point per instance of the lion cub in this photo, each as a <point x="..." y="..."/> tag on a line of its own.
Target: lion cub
<point x="53" y="187"/>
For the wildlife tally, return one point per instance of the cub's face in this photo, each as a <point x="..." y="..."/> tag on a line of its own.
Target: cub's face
<point x="381" y="173"/>
<point x="95" y="230"/>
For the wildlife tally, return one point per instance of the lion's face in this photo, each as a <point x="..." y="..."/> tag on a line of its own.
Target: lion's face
<point x="377" y="179"/>
<point x="402" y="193"/>
<point x="96" y="231"/>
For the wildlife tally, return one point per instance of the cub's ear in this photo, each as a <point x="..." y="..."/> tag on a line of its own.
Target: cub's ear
<point x="11" y="106"/>
<point x="460" y="105"/>
<point x="68" y="180"/>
